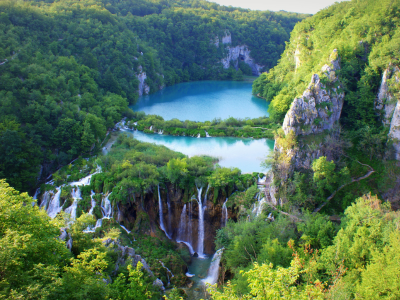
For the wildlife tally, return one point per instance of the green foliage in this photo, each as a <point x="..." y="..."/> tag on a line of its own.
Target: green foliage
<point x="261" y="127"/>
<point x="132" y="287"/>
<point x="265" y="282"/>
<point x="364" y="34"/>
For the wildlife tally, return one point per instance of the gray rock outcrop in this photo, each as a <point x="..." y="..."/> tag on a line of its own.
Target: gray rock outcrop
<point x="389" y="104"/>
<point x="243" y="53"/>
<point x="144" y="89"/>
<point x="65" y="236"/>
<point x="226" y="39"/>
<point x="124" y="253"/>
<point x="320" y="106"/>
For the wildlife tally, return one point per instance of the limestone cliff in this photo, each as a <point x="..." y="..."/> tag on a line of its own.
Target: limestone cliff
<point x="241" y="52"/>
<point x="320" y="106"/>
<point x="318" y="110"/>
<point x="388" y="102"/>
<point x="144" y="89"/>
<point x="226" y="39"/>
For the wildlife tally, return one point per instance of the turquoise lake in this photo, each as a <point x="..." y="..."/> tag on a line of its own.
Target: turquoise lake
<point x="245" y="154"/>
<point x="204" y="101"/>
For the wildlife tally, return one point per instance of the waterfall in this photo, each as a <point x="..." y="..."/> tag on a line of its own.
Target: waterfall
<point x="183" y="231"/>
<point x="54" y="205"/>
<point x="202" y="208"/>
<point x="124" y="228"/>
<point x="213" y="271"/>
<point x="119" y="215"/>
<point x="224" y="214"/>
<point x="99" y="222"/>
<point x="169" y="216"/>
<point x="106" y="208"/>
<point x="182" y="225"/>
<point x="161" y="213"/>
<point x="207" y="135"/>
<point x="76" y="195"/>
<point x="168" y="271"/>
<point x="45" y="200"/>
<point x="35" y="197"/>
<point x="93" y="202"/>
<point x="85" y="180"/>
<point x="189" y="227"/>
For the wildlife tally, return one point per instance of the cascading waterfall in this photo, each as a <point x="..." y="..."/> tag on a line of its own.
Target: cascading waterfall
<point x="183" y="231"/>
<point x="202" y="208"/>
<point x="45" y="200"/>
<point x="124" y="228"/>
<point x="224" y="219"/>
<point x="35" y="197"/>
<point x="76" y="195"/>
<point x="161" y="213"/>
<point x="54" y="205"/>
<point x="168" y="271"/>
<point x="85" y="180"/>
<point x="213" y="271"/>
<point x="169" y="216"/>
<point x="93" y="202"/>
<point x="106" y="208"/>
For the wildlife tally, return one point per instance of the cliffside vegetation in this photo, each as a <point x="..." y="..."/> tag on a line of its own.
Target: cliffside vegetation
<point x="69" y="68"/>
<point x="364" y="34"/>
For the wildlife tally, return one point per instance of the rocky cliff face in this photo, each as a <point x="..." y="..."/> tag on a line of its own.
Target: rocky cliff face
<point x="317" y="110"/>
<point x="243" y="53"/>
<point x="237" y="53"/>
<point x="320" y="106"/>
<point x="226" y="39"/>
<point x="144" y="89"/>
<point x="389" y="103"/>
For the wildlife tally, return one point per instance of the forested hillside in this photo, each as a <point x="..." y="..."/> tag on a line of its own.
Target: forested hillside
<point x="70" y="68"/>
<point x="366" y="35"/>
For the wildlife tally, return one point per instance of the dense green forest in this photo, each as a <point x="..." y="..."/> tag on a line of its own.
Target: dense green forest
<point x="68" y="68"/>
<point x="68" y="73"/>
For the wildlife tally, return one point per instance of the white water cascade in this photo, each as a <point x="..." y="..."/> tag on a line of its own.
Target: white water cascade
<point x="76" y="195"/>
<point x="85" y="180"/>
<point x="160" y="208"/>
<point x="168" y="271"/>
<point x="93" y="202"/>
<point x="54" y="205"/>
<point x="45" y="200"/>
<point x="184" y="231"/>
<point x="106" y="208"/>
<point x="202" y="208"/>
<point x="224" y="219"/>
<point x="124" y="228"/>
<point x="213" y="271"/>
<point x="169" y="216"/>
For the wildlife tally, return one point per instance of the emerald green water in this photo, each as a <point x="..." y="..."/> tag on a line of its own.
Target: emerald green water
<point x="204" y="101"/>
<point x="245" y="154"/>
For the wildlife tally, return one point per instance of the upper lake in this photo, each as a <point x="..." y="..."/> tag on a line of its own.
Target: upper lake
<point x="204" y="101"/>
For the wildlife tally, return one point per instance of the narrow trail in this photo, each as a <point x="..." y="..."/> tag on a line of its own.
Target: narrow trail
<point x="266" y="184"/>
<point x="369" y="173"/>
